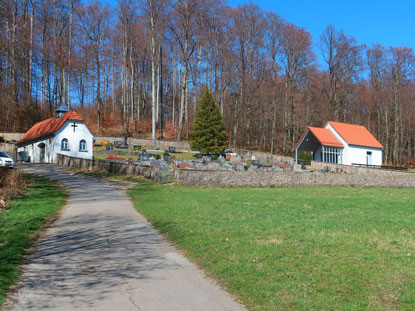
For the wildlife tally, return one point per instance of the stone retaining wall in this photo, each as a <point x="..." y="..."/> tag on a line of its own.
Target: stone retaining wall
<point x="146" y="142"/>
<point x="266" y="179"/>
<point x="109" y="166"/>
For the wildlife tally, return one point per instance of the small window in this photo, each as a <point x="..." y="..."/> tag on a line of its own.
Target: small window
<point x="82" y="145"/>
<point x="64" y="144"/>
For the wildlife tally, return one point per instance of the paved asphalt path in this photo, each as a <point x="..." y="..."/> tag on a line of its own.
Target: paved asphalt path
<point x="103" y="255"/>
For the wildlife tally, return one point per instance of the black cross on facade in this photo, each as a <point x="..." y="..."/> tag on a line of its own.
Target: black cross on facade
<point x="74" y="126"/>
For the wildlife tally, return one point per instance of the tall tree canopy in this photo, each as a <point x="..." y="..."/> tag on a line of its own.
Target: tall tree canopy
<point x="139" y="66"/>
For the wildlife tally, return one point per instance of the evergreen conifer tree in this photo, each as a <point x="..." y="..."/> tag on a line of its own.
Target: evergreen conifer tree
<point x="209" y="135"/>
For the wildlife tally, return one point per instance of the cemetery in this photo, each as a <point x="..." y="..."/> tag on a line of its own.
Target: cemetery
<point x="229" y="160"/>
<point x="235" y="168"/>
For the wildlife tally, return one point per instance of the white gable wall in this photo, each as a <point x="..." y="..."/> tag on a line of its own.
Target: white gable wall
<point x="358" y="155"/>
<point x="81" y="132"/>
<point x="345" y="155"/>
<point x="53" y="144"/>
<point x="353" y="154"/>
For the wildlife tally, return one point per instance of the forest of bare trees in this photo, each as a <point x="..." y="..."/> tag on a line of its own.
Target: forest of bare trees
<point x="138" y="68"/>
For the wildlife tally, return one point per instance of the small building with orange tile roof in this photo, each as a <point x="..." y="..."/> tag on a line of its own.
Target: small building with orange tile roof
<point x="66" y="133"/>
<point x="341" y="143"/>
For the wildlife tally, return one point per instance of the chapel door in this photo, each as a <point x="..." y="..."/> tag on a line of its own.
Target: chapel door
<point x="42" y="151"/>
<point x="369" y="158"/>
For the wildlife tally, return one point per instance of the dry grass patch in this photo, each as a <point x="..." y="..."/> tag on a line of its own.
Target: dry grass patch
<point x="12" y="184"/>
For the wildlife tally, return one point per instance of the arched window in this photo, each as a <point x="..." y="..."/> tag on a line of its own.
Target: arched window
<point x="64" y="144"/>
<point x="82" y="145"/>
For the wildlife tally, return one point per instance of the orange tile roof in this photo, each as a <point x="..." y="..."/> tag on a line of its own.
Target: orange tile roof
<point x="355" y="134"/>
<point x="325" y="137"/>
<point x="49" y="126"/>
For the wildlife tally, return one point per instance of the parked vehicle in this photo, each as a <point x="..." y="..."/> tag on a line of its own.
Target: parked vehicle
<point x="6" y="160"/>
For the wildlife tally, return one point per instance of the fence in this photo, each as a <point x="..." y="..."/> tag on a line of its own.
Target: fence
<point x="381" y="167"/>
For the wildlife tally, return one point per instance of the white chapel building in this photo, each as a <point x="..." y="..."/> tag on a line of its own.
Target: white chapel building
<point x="66" y="134"/>
<point x="341" y="143"/>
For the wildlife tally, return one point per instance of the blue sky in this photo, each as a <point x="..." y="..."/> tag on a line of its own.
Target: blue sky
<point x="389" y="23"/>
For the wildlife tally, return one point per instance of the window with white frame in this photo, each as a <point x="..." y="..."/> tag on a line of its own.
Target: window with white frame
<point x="332" y="155"/>
<point x="64" y="144"/>
<point x="82" y="145"/>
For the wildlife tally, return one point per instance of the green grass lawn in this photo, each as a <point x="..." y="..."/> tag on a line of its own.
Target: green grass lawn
<point x="294" y="248"/>
<point x="21" y="222"/>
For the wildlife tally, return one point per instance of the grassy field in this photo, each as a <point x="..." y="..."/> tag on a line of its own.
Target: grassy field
<point x="295" y="248"/>
<point x="21" y="222"/>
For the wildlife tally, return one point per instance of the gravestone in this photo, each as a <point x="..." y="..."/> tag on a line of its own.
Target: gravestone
<point x="168" y="158"/>
<point x="163" y="163"/>
<point x="143" y="157"/>
<point x="221" y="160"/>
<point x="117" y="143"/>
